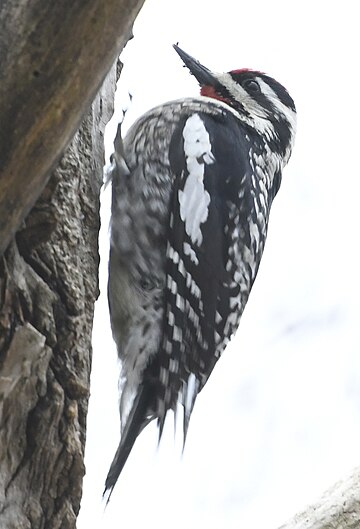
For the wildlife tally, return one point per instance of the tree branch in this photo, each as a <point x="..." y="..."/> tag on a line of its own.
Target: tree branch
<point x="53" y="59"/>
<point x="339" y="508"/>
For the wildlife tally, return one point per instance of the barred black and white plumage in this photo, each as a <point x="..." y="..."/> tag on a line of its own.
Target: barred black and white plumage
<point x="193" y="183"/>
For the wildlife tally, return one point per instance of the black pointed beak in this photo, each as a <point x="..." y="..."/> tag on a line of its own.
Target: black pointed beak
<point x="200" y="72"/>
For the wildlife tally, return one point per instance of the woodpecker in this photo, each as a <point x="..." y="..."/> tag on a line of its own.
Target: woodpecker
<point x="192" y="186"/>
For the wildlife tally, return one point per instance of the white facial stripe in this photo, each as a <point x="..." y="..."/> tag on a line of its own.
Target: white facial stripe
<point x="285" y="111"/>
<point x="258" y="115"/>
<point x="240" y="94"/>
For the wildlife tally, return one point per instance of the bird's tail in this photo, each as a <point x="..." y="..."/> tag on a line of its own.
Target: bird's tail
<point x="139" y="417"/>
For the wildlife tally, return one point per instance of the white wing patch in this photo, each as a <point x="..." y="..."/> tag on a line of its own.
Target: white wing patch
<point x="194" y="200"/>
<point x="190" y="252"/>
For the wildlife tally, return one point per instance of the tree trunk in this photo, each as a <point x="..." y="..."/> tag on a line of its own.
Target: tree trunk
<point x="48" y="285"/>
<point x="53" y="58"/>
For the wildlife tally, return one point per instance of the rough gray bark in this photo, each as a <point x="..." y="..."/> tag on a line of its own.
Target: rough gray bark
<point x="53" y="58"/>
<point x="48" y="285"/>
<point x="339" y="508"/>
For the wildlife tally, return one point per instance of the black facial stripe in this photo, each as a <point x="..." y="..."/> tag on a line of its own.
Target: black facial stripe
<point x="279" y="141"/>
<point x="283" y="133"/>
<point x="259" y="97"/>
<point x="280" y="91"/>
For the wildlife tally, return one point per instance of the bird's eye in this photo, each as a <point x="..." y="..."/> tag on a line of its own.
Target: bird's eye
<point x="251" y="86"/>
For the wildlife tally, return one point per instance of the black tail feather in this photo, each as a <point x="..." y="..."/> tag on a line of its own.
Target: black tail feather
<point x="139" y="417"/>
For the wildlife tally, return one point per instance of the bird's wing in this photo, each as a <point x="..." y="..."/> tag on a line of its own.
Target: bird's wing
<point x="207" y="204"/>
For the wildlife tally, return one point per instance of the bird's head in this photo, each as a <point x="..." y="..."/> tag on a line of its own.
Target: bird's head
<point x="260" y="101"/>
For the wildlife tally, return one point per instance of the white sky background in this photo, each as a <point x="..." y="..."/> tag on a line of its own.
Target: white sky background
<point x="279" y="420"/>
